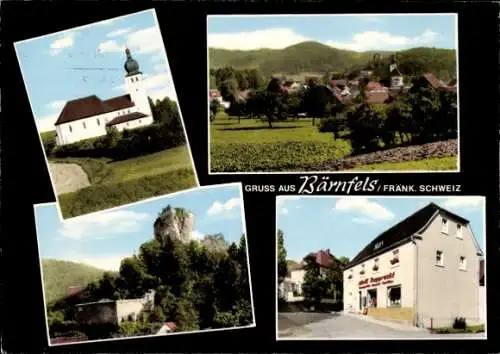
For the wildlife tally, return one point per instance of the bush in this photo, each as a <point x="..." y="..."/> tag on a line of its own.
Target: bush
<point x="99" y="197"/>
<point x="119" y="146"/>
<point x="459" y="323"/>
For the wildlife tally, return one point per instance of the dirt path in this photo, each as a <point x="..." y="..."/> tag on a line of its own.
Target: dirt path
<point x="68" y="177"/>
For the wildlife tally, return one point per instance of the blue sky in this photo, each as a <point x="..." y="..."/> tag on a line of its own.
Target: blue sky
<point x="346" y="225"/>
<point x="354" y="32"/>
<point x="50" y="64"/>
<point x="103" y="239"/>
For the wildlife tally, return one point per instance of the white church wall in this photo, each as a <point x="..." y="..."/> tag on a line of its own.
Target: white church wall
<point x="136" y="123"/>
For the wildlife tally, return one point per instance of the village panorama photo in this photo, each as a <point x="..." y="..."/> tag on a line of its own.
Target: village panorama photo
<point x="171" y="265"/>
<point x="106" y="110"/>
<point x="381" y="268"/>
<point x="328" y="93"/>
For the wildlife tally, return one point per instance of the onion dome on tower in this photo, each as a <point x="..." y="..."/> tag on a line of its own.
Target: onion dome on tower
<point x="131" y="65"/>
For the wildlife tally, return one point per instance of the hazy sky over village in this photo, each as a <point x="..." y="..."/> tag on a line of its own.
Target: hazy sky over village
<point x="51" y="64"/>
<point x="346" y="225"/>
<point x="103" y="239"/>
<point x="353" y="32"/>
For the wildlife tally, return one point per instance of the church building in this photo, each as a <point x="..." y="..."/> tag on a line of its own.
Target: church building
<point x="90" y="117"/>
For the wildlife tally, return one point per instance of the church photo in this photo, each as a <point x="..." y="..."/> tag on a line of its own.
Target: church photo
<point x="107" y="114"/>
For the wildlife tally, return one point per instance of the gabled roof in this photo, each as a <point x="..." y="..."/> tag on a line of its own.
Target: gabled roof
<point x="376" y="97"/>
<point x="126" y="118"/>
<point x="323" y="257"/>
<point x="434" y="81"/>
<point x="402" y="231"/>
<point x="91" y="106"/>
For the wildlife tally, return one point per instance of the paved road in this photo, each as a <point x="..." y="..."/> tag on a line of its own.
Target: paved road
<point x="339" y="326"/>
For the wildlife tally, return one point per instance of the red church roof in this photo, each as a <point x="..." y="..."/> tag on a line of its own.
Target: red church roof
<point x="126" y="118"/>
<point x="91" y="106"/>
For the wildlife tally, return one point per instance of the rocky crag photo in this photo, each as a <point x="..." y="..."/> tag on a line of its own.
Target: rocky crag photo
<point x="179" y="279"/>
<point x="333" y="92"/>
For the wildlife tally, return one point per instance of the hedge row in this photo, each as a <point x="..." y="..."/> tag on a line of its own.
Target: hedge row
<point x="104" y="196"/>
<point x="119" y="146"/>
<point x="236" y="157"/>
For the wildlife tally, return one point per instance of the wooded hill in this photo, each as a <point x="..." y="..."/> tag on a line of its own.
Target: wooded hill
<point x="58" y="276"/>
<point x="314" y="57"/>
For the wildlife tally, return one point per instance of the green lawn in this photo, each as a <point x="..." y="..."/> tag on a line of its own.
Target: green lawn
<point x="251" y="146"/>
<point x="127" y="181"/>
<point x="434" y="164"/>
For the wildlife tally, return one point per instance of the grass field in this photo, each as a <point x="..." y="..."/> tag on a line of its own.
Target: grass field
<point x="251" y="146"/>
<point x="127" y="181"/>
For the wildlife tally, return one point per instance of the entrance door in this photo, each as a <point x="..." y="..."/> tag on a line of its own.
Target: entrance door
<point x="372" y="297"/>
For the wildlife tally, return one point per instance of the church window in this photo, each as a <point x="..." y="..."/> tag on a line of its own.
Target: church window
<point x="139" y="121"/>
<point x="98" y="121"/>
<point x="70" y="129"/>
<point x="128" y="124"/>
<point x="128" y="111"/>
<point x="84" y="126"/>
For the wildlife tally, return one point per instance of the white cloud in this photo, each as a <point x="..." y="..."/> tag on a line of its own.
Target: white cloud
<point x="110" y="263"/>
<point x="375" y="40"/>
<point x="363" y="221"/>
<point x="110" y="47"/>
<point x="158" y="86"/>
<point x="65" y="41"/>
<point x="218" y="208"/>
<point x="103" y="224"/>
<point x="46" y="123"/>
<point x="119" y="32"/>
<point x="279" y="38"/>
<point x="197" y="235"/>
<point x="147" y="40"/>
<point x="105" y="22"/>
<point x="281" y="200"/>
<point x="464" y="202"/>
<point x="272" y="38"/>
<point x="368" y="209"/>
<point x="58" y="104"/>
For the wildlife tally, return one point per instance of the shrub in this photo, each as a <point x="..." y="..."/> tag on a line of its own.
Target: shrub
<point x="459" y="323"/>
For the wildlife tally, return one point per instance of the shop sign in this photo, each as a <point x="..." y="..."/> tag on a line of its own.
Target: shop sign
<point x="375" y="281"/>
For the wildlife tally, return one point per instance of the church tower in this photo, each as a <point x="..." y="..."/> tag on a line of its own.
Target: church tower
<point x="396" y="76"/>
<point x="134" y="84"/>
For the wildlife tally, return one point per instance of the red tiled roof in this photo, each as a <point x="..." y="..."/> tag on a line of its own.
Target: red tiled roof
<point x="126" y="118"/>
<point x="373" y="85"/>
<point x="323" y="257"/>
<point x="73" y="290"/>
<point x="376" y="97"/>
<point x="434" y="81"/>
<point x="90" y="106"/>
<point x="171" y="325"/>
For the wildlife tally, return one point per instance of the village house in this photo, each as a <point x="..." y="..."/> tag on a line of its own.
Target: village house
<point x="424" y="271"/>
<point x="291" y="288"/>
<point x="90" y="117"/>
<point x="113" y="311"/>
<point x="215" y="94"/>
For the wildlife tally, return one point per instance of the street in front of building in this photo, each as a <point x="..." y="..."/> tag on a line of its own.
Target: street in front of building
<point x="304" y="325"/>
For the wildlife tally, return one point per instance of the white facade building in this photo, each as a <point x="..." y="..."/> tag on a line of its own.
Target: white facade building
<point x="90" y="117"/>
<point x="424" y="271"/>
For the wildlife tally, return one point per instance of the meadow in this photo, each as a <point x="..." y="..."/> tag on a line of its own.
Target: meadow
<point x="114" y="183"/>
<point x="249" y="145"/>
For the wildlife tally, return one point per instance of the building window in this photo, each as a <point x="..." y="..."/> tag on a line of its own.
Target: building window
<point x="394" y="296"/>
<point x="139" y="121"/>
<point x="444" y="226"/>
<point x="128" y="111"/>
<point x="98" y="121"/>
<point x="362" y="269"/>
<point x="70" y="129"/>
<point x="84" y="126"/>
<point x="439" y="258"/>
<point x="459" y="231"/>
<point x="395" y="257"/>
<point x="463" y="263"/>
<point x="127" y="124"/>
<point x="375" y="265"/>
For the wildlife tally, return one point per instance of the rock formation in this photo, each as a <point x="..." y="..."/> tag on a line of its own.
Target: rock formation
<point x="173" y="224"/>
